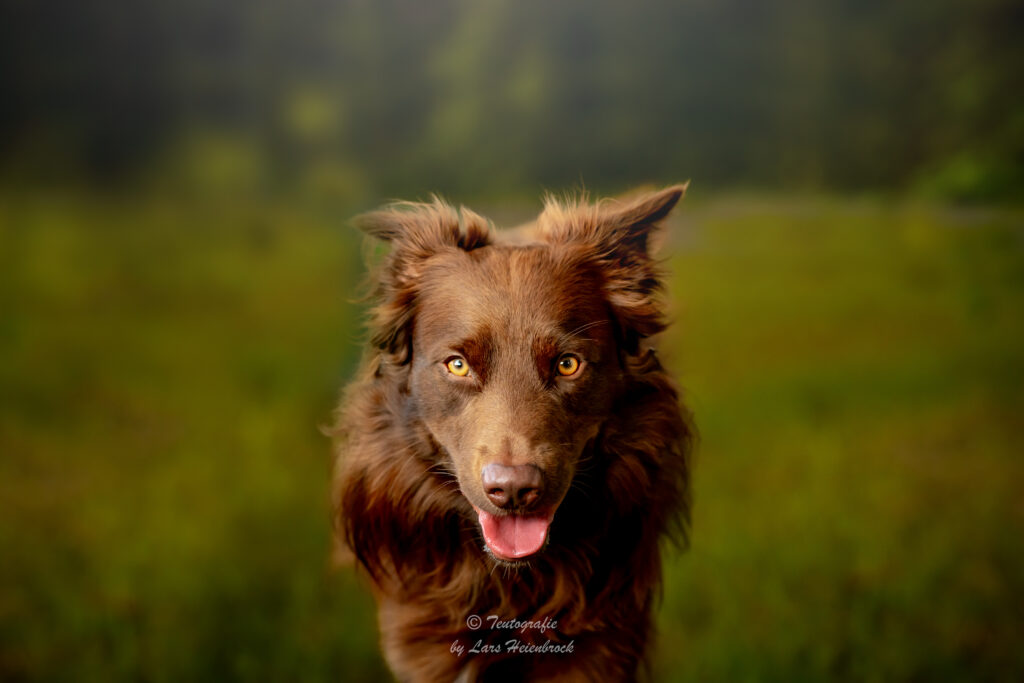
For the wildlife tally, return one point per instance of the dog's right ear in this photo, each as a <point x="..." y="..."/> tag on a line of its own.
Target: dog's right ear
<point x="416" y="232"/>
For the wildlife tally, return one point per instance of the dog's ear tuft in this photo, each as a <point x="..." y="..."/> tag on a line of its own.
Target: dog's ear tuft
<point x="426" y="226"/>
<point x="385" y="224"/>
<point x="416" y="231"/>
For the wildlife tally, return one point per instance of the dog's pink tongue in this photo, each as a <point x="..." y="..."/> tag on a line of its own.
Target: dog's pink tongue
<point x="513" y="536"/>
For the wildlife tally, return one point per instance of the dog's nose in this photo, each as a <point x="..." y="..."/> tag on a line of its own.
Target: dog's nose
<point x="512" y="487"/>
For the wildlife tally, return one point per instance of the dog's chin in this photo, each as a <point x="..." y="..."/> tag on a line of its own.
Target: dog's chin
<point x="513" y="565"/>
<point x="513" y="539"/>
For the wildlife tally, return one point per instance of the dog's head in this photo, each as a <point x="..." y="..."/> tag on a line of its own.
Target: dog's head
<point x="512" y="356"/>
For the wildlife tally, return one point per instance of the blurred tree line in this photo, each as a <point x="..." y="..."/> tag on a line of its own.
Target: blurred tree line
<point x="403" y="97"/>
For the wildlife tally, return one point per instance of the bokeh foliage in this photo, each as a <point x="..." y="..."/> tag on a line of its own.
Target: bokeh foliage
<point x="405" y="97"/>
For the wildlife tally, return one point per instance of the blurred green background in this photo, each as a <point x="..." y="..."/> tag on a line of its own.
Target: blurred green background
<point x="176" y="312"/>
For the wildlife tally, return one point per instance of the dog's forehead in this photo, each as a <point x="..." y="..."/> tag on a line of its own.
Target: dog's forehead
<point x="520" y="288"/>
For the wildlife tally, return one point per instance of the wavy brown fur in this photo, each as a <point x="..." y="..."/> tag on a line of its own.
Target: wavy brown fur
<point x="402" y="500"/>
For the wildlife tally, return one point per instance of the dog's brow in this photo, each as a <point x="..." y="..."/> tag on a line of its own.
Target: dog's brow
<point x="477" y="348"/>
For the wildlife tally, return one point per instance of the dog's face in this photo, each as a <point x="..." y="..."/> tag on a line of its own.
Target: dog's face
<point x="514" y="355"/>
<point x="514" y="369"/>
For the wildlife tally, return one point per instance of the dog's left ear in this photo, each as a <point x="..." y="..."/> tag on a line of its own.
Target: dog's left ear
<point x="627" y="224"/>
<point x="622" y="226"/>
<point x="615" y="236"/>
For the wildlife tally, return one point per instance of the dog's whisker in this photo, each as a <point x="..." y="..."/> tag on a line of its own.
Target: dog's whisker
<point x="587" y="326"/>
<point x="567" y="336"/>
<point x="442" y="468"/>
<point x="584" y="491"/>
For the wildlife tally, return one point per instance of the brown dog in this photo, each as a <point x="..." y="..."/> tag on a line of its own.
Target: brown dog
<point x="512" y="451"/>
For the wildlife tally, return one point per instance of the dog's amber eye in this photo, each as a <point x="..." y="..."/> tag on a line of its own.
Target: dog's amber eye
<point x="458" y="366"/>
<point x="568" y="365"/>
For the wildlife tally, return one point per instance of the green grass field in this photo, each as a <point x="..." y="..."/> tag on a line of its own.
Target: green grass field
<point x="856" y="369"/>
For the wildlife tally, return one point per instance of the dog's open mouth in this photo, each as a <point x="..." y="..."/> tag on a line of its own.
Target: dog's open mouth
<point x="514" y="537"/>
